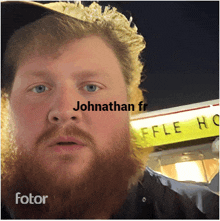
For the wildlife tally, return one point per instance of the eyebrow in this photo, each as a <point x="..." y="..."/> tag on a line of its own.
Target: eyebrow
<point x="86" y="74"/>
<point x="36" y="73"/>
<point x="77" y="76"/>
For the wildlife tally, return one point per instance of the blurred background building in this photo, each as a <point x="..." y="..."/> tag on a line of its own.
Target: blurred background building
<point x="185" y="141"/>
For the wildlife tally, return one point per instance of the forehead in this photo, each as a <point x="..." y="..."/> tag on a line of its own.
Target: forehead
<point x="90" y="53"/>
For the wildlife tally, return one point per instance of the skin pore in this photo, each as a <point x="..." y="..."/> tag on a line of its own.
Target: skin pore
<point x="89" y="181"/>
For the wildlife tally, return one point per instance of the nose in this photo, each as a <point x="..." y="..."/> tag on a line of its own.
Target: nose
<point x="62" y="108"/>
<point x="60" y="117"/>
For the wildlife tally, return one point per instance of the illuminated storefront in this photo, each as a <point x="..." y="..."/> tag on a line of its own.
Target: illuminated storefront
<point x="185" y="141"/>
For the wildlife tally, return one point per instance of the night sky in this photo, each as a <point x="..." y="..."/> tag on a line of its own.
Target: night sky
<point x="182" y="54"/>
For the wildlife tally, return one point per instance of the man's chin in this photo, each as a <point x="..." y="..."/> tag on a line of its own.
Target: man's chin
<point x="68" y="167"/>
<point x="77" y="185"/>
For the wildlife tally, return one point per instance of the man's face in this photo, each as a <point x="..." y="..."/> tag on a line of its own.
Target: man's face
<point x="45" y="91"/>
<point x="80" y="159"/>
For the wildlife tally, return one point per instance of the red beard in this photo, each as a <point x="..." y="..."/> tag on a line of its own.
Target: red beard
<point x="97" y="194"/>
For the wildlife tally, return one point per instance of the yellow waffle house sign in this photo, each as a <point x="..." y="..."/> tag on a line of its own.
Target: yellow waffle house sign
<point x="184" y="123"/>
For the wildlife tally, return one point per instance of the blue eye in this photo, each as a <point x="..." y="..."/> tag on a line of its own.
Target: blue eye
<point x="91" y="88"/>
<point x="39" y="89"/>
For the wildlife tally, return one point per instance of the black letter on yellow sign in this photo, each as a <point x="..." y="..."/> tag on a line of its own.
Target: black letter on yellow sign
<point x="166" y="133"/>
<point x="176" y="126"/>
<point x="154" y="131"/>
<point x="143" y="131"/>
<point x="201" y="122"/>
<point x="216" y="119"/>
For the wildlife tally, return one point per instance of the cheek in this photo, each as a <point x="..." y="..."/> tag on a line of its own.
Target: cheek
<point x="27" y="121"/>
<point x="28" y="115"/>
<point x="106" y="125"/>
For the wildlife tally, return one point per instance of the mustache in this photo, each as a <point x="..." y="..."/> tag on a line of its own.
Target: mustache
<point x="69" y="131"/>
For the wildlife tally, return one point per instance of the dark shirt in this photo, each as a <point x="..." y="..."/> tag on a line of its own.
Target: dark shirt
<point x="150" y="199"/>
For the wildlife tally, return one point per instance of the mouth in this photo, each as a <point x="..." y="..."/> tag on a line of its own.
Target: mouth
<point x="64" y="147"/>
<point x="66" y="143"/>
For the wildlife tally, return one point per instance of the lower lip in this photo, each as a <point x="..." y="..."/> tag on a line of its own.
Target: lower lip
<point x="67" y="148"/>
